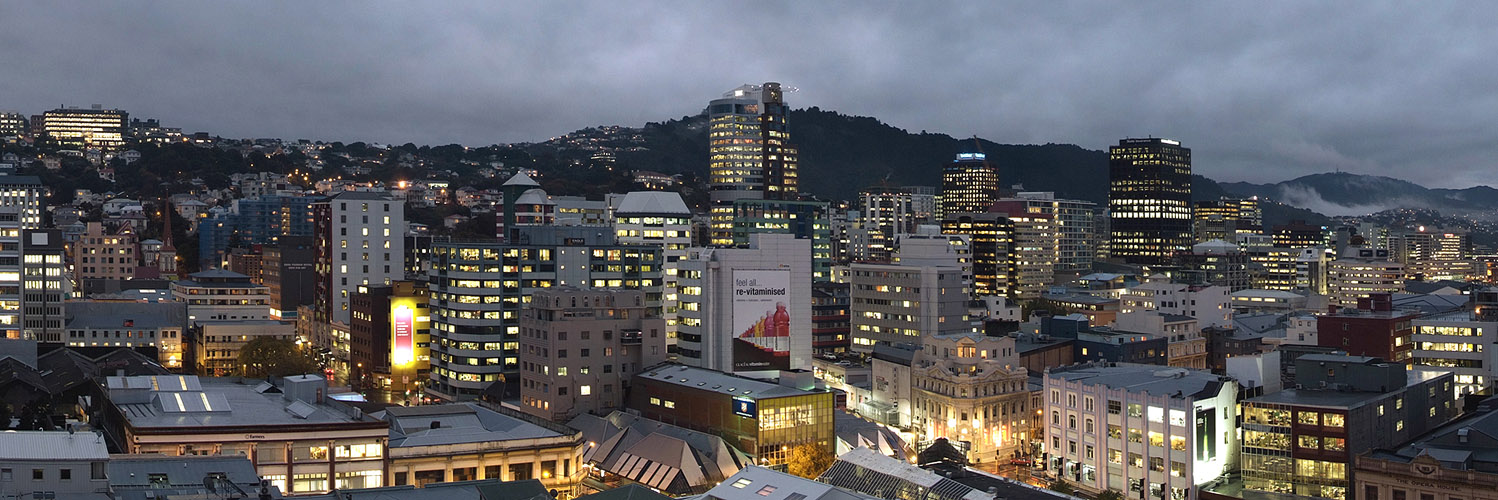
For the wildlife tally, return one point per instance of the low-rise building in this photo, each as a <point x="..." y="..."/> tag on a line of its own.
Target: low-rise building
<point x="471" y="441"/>
<point x="158" y="325"/>
<point x="213" y="346"/>
<point x="1457" y="461"/>
<point x="1302" y="441"/>
<point x="627" y="449"/>
<point x="1141" y="430"/>
<point x="53" y="464"/>
<point x="300" y="440"/>
<point x="972" y="389"/>
<point x="761" y="418"/>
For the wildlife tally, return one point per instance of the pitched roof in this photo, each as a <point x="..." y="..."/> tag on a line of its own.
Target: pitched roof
<point x="652" y="202"/>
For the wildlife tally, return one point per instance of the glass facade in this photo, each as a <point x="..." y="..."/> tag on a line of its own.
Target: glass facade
<point x="1149" y="199"/>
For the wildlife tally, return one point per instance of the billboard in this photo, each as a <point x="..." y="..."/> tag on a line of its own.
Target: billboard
<point x="761" y="320"/>
<point x="402" y="335"/>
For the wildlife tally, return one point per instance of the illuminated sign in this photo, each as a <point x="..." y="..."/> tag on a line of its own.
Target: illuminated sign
<point x="402" y="326"/>
<point x="745" y="408"/>
<point x="970" y="156"/>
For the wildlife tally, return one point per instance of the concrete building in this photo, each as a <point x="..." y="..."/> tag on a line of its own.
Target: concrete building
<point x="104" y="255"/>
<point x="220" y="295"/>
<point x="1072" y="225"/>
<point x="1363" y="271"/>
<point x="479" y="290"/>
<point x="1144" y="431"/>
<point x="53" y="464"/>
<point x="1458" y="342"/>
<point x="1208" y="304"/>
<point x="809" y="220"/>
<point x="579" y="349"/>
<point x="1034" y="250"/>
<point x="972" y="389"/>
<point x="289" y="275"/>
<point x="469" y="441"/>
<point x="1302" y="441"/>
<point x="300" y="440"/>
<point x="158" y="325"/>
<point x="750" y="152"/>
<point x="1455" y="461"/>
<point x="830" y="326"/>
<point x="93" y="128"/>
<point x="21" y="206"/>
<point x="44" y="285"/>
<point x="360" y="241"/>
<point x="390" y="336"/>
<point x="212" y="347"/>
<point x="746" y="309"/>
<point x="896" y="303"/>
<point x="761" y="418"/>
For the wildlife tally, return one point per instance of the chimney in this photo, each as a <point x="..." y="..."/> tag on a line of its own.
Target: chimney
<point x="436" y="424"/>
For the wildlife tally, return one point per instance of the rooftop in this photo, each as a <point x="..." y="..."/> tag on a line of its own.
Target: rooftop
<point x="52" y="445"/>
<point x="1153" y="379"/>
<point x="1467" y="444"/>
<point x="652" y="202"/>
<point x="758" y="483"/>
<point x="1337" y="399"/>
<point x="866" y="471"/>
<point x="153" y="401"/>
<point x="454" y="424"/>
<point x="137" y="315"/>
<point x="716" y="381"/>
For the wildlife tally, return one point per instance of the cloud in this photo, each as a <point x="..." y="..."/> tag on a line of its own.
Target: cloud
<point x="1260" y="92"/>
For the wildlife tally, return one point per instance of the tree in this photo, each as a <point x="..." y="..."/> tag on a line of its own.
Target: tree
<point x="267" y="356"/>
<point x="1110" y="494"/>
<point x="809" y="460"/>
<point x="1063" y="487"/>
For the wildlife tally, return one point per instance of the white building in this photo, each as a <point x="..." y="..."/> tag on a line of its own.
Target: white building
<point x="222" y="295"/>
<point x="894" y="303"/>
<point x="56" y="464"/>
<point x="1145" y="431"/>
<point x="1458" y="342"/>
<point x="361" y="241"/>
<point x="1210" y="305"/>
<point x="746" y="309"/>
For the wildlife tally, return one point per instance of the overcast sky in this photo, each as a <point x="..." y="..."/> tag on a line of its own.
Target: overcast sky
<point x="1260" y="92"/>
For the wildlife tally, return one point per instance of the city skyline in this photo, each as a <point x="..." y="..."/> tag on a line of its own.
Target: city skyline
<point x="1261" y="96"/>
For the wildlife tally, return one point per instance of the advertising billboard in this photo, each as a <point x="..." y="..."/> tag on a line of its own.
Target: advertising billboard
<point x="761" y="320"/>
<point x="402" y="335"/>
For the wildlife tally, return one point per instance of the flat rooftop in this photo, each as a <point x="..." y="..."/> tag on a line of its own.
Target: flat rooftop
<point x="51" y="445"/>
<point x="176" y="401"/>
<point x="455" y="424"/>
<point x="1338" y="399"/>
<point x="715" y="381"/>
<point x="1154" y="379"/>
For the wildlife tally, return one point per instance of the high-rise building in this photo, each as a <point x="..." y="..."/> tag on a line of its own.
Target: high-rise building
<point x="20" y="217"/>
<point x="888" y="209"/>
<point x="992" y="238"/>
<point x="43" y="284"/>
<point x="1298" y="234"/>
<point x="1035" y="249"/>
<point x="749" y="150"/>
<point x="390" y="336"/>
<point x="746" y="309"/>
<point x="802" y="219"/>
<point x="1226" y="218"/>
<point x="1149" y="197"/>
<point x="891" y="304"/>
<point x="829" y="318"/>
<point x="478" y="290"/>
<point x="579" y="348"/>
<point x="254" y="221"/>
<point x="969" y="184"/>
<point x="1363" y="271"/>
<point x="1074" y="227"/>
<point x="288" y="274"/>
<point x="360" y="241"/>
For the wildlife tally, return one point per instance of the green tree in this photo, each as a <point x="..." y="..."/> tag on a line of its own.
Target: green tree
<point x="1063" y="487"/>
<point x="809" y="460"/>
<point x="1109" y="495"/>
<point x="266" y="356"/>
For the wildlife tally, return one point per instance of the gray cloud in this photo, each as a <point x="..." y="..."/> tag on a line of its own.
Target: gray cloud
<point x="1260" y="91"/>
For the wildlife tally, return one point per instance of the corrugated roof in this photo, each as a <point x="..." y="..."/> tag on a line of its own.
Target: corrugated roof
<point x="52" y="445"/>
<point x="652" y="202"/>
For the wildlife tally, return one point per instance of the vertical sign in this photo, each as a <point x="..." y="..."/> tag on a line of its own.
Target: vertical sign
<point x="761" y="320"/>
<point x="1206" y="434"/>
<point x="402" y="325"/>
